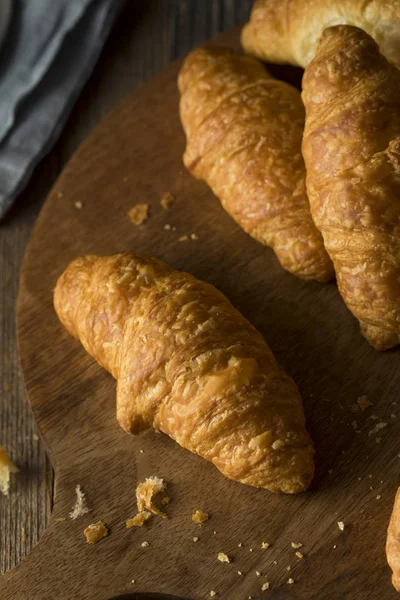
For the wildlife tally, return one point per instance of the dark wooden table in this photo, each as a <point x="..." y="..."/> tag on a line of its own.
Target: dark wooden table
<point x="147" y="36"/>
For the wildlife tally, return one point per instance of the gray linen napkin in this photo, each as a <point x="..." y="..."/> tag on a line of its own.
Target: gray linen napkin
<point x="49" y="53"/>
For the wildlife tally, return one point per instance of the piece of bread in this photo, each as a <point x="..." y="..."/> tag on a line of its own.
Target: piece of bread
<point x="351" y="147"/>
<point x="190" y="365"/>
<point x="6" y="467"/>
<point x="288" y="31"/>
<point x="244" y="131"/>
<point x="393" y="542"/>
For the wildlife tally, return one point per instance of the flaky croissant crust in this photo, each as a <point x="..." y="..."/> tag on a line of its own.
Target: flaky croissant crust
<point x="190" y="365"/>
<point x="351" y="147"/>
<point x="244" y="131"/>
<point x="393" y="542"/>
<point x="288" y="31"/>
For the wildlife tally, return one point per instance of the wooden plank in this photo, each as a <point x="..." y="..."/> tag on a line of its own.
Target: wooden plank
<point x="146" y="37"/>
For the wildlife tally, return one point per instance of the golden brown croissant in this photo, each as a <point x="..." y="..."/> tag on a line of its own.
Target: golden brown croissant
<point x="244" y="131"/>
<point x="288" y="31"/>
<point x="393" y="542"/>
<point x="351" y="147"/>
<point x="190" y="365"/>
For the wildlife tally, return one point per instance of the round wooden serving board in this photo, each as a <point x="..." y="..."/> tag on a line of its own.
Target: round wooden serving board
<point x="135" y="156"/>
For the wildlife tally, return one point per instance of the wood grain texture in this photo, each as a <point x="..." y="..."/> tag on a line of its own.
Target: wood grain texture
<point x="148" y="35"/>
<point x="136" y="155"/>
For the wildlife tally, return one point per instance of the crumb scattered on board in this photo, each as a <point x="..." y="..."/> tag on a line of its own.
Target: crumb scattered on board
<point x="296" y="545"/>
<point x="213" y="593"/>
<point x="264" y="545"/>
<point x="299" y="555"/>
<point x="378" y="427"/>
<point x="95" y="532"/>
<point x="139" y="213"/>
<point x="184" y="238"/>
<point x="78" y="204"/>
<point x="167" y="201"/>
<point x="362" y="404"/>
<point x="166" y="500"/>
<point x="6" y="467"/>
<point x="146" y="491"/>
<point x="80" y="508"/>
<point x="290" y="581"/>
<point x="196" y="539"/>
<point x="35" y="437"/>
<point x="341" y="525"/>
<point x="222" y="557"/>
<point x="145" y="544"/>
<point x="138" y="520"/>
<point x="199" y="517"/>
<point x="265" y="586"/>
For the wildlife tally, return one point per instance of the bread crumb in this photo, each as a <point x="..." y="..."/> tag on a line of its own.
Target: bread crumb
<point x="378" y="497"/>
<point x="35" y="437"/>
<point x="240" y="573"/>
<point x="299" y="555"/>
<point x="196" y="539"/>
<point x="334" y="547"/>
<point x="213" y="593"/>
<point x="363" y="403"/>
<point x="139" y="213"/>
<point x="288" y="568"/>
<point x="141" y="451"/>
<point x="80" y="508"/>
<point x="167" y="227"/>
<point x="296" y="545"/>
<point x="290" y="581"/>
<point x="184" y="238"/>
<point x="341" y="525"/>
<point x="240" y="545"/>
<point x="224" y="558"/>
<point x="167" y="201"/>
<point x="78" y="204"/>
<point x="145" y="544"/>
<point x="370" y="476"/>
<point x="378" y="427"/>
<point x="60" y="519"/>
<point x="6" y="467"/>
<point x="60" y="194"/>
<point x="258" y="573"/>
<point x="265" y="586"/>
<point x="95" y="532"/>
<point x="199" y="517"/>
<point x="374" y="417"/>
<point x="146" y="491"/>
<point x="133" y="581"/>
<point x="264" y="545"/>
<point x="214" y="532"/>
<point x="194" y="236"/>
<point x="166" y="500"/>
<point x="138" y="520"/>
<point x="392" y="416"/>
<point x="250" y="549"/>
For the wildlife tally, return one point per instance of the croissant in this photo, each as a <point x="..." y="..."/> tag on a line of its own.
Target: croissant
<point x="244" y="131"/>
<point x="288" y="31"/>
<point x="190" y="365"/>
<point x="393" y="542"/>
<point x="351" y="147"/>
